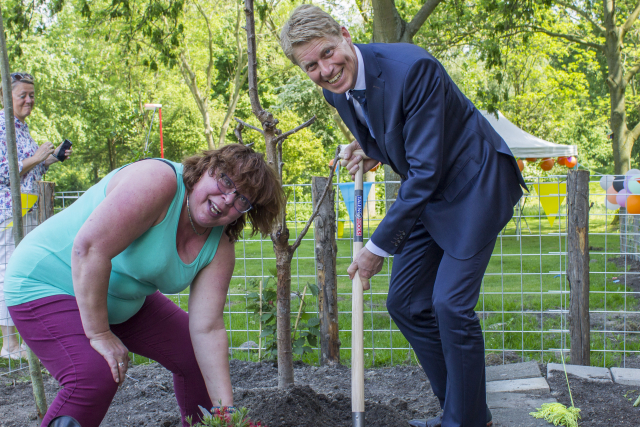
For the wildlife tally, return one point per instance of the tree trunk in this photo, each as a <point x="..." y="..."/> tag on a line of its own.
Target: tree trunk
<point x="578" y="265"/>
<point x="274" y="139"/>
<point x="326" y="273"/>
<point x="285" y="352"/>
<point x="388" y="26"/>
<point x="14" y="184"/>
<point x="622" y="142"/>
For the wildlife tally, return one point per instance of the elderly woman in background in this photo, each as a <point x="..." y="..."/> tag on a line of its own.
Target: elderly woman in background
<point x="33" y="162"/>
<point x="150" y="227"/>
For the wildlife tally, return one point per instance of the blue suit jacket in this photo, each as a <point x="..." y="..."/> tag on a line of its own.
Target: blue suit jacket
<point x="458" y="175"/>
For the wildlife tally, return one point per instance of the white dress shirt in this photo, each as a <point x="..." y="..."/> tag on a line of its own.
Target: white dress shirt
<point x="361" y="85"/>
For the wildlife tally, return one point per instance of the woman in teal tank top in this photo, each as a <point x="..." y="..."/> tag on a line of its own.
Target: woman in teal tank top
<point x="85" y="287"/>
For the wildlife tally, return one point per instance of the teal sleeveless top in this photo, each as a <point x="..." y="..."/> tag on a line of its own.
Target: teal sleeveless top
<point x="41" y="264"/>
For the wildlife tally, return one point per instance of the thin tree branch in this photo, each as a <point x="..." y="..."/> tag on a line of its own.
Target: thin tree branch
<point x="419" y="18"/>
<point x="630" y="20"/>
<point x="209" y="45"/>
<point x="635" y="132"/>
<point x="569" y="37"/>
<point x="582" y="13"/>
<point x="631" y="72"/>
<point x="317" y="206"/>
<point x="238" y="132"/>
<point x="245" y="124"/>
<point x="252" y="61"/>
<point x="285" y="135"/>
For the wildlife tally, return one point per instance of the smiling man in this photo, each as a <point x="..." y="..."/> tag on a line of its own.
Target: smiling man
<point x="459" y="185"/>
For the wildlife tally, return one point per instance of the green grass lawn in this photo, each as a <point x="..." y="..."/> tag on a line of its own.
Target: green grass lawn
<point x="522" y="304"/>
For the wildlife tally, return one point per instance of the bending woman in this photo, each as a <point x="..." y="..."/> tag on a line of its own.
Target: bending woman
<point x="84" y="288"/>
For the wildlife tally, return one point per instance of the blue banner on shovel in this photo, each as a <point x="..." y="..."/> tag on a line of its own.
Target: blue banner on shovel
<point x="347" y="190"/>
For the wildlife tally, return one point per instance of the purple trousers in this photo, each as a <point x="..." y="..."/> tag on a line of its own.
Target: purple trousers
<point x="52" y="328"/>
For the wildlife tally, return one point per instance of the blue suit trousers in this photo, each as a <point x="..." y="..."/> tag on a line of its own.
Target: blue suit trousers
<point x="432" y="297"/>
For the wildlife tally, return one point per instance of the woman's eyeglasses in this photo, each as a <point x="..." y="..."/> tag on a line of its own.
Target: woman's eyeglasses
<point x="226" y="186"/>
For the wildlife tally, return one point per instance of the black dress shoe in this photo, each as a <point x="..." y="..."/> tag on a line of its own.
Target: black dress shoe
<point x="64" y="421"/>
<point x="437" y="421"/>
<point x="431" y="422"/>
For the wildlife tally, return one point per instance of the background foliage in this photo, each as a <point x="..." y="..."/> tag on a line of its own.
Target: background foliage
<point x="96" y="64"/>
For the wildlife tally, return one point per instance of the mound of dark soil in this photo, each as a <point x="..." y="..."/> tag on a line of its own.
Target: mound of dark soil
<point x="301" y="406"/>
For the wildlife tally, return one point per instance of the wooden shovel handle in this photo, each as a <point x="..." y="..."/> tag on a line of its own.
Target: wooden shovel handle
<point x="357" y="304"/>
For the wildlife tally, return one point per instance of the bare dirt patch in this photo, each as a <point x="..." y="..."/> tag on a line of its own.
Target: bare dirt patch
<point x="321" y="397"/>
<point x="600" y="403"/>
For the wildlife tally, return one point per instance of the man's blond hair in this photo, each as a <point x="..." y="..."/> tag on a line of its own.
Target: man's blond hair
<point x="306" y="23"/>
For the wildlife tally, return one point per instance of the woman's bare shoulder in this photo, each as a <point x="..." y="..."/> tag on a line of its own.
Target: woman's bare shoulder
<point x="148" y="176"/>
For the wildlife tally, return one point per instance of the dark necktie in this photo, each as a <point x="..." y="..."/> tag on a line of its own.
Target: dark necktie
<point x="359" y="95"/>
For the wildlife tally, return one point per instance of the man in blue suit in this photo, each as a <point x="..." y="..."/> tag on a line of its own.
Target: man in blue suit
<point x="459" y="185"/>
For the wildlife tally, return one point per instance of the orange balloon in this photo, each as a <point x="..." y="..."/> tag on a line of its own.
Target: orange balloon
<point x="561" y="161"/>
<point x="520" y="165"/>
<point x="571" y="162"/>
<point x="633" y="204"/>
<point x="611" y="195"/>
<point x="531" y="159"/>
<point x="546" y="164"/>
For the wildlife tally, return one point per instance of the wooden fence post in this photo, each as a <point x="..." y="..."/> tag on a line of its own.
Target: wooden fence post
<point x="46" y="197"/>
<point x="326" y="250"/>
<point x="578" y="265"/>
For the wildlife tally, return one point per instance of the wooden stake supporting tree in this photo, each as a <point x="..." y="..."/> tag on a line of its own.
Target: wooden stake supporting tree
<point x="274" y="138"/>
<point x="14" y="184"/>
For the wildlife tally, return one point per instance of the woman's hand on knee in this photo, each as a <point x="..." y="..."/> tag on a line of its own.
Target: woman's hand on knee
<point x="114" y="352"/>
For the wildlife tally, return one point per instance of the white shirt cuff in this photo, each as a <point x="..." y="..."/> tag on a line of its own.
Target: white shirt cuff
<point x="371" y="247"/>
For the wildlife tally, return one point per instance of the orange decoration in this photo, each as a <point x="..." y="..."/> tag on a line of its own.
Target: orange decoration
<point x="571" y="162"/>
<point x="531" y="159"/>
<point x="546" y="164"/>
<point x="611" y="195"/>
<point x="331" y="162"/>
<point x="633" y="204"/>
<point x="375" y="168"/>
<point x="520" y="165"/>
<point x="562" y="161"/>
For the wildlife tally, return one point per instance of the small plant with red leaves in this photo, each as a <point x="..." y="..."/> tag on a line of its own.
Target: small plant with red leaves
<point x="224" y="416"/>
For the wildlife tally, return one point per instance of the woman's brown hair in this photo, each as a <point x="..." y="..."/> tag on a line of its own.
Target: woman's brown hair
<point x="253" y="178"/>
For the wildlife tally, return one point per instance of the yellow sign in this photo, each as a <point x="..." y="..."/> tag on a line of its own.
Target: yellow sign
<point x="28" y="200"/>
<point x="552" y="194"/>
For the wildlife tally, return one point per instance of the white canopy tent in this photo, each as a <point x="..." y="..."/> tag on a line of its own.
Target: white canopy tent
<point x="523" y="144"/>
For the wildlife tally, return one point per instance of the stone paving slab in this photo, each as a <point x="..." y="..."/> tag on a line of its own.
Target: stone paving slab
<point x="512" y="400"/>
<point x="626" y="376"/>
<point x="513" y="371"/>
<point x="512" y="409"/>
<point x="590" y="373"/>
<point x="523" y="384"/>
<point x="516" y="417"/>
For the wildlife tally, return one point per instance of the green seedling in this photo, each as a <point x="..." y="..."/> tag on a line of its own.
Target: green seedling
<point x="557" y="413"/>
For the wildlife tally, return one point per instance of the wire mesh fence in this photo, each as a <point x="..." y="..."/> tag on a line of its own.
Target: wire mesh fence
<point x="524" y="300"/>
<point x="13" y="353"/>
